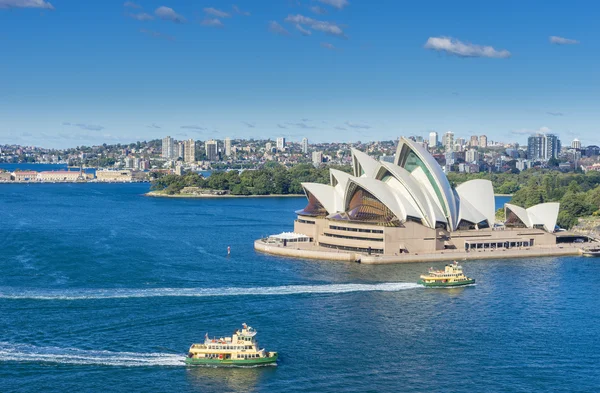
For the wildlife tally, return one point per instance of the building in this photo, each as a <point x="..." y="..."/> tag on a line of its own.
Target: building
<point x="281" y="143"/>
<point x="576" y="144"/>
<point x="179" y="150"/>
<point x="543" y="147"/>
<point x="448" y="141"/>
<point x="471" y="156"/>
<point x="433" y="139"/>
<point x="474" y="141"/>
<point x="483" y="141"/>
<point x="189" y="155"/>
<point x="317" y="157"/>
<point x="25" y="176"/>
<point x="409" y="207"/>
<point x="228" y="147"/>
<point x="60" y="176"/>
<point x="305" y="145"/>
<point x="168" y="148"/>
<point x="111" y="176"/>
<point x="212" y="150"/>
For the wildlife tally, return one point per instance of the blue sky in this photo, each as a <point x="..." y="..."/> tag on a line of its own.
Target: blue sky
<point x="78" y="72"/>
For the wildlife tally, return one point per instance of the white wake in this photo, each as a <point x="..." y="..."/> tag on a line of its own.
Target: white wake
<point x="120" y="293"/>
<point x="34" y="354"/>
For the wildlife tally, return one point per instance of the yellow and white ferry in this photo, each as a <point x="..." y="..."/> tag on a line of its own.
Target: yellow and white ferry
<point x="451" y="276"/>
<point x="241" y="349"/>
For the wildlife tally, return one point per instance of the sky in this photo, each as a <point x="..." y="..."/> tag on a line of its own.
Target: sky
<point x="75" y="72"/>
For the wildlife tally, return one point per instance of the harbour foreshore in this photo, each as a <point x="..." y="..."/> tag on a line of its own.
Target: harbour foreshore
<point x="312" y="251"/>
<point x="158" y="194"/>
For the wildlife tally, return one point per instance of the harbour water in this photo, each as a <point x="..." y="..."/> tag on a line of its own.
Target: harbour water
<point x="103" y="289"/>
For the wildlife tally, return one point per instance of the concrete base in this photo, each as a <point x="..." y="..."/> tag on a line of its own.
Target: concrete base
<point x="311" y="251"/>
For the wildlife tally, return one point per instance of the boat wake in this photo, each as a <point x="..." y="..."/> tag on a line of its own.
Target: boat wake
<point x="26" y="353"/>
<point x="121" y="293"/>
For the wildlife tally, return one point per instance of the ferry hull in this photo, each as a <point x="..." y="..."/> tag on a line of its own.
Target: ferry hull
<point x="446" y="284"/>
<point x="231" y="362"/>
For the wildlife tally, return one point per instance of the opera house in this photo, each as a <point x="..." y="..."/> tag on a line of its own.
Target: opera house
<point x="409" y="207"/>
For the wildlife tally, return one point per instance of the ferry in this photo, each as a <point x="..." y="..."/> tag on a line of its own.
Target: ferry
<point x="591" y="252"/>
<point x="451" y="276"/>
<point x="241" y="349"/>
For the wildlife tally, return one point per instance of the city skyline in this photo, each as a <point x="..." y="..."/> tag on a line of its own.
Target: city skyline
<point x="326" y="70"/>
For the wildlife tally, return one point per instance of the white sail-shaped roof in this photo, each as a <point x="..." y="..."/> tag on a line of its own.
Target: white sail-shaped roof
<point x="412" y="190"/>
<point x="324" y="193"/>
<point x="364" y="165"/>
<point x="396" y="202"/>
<point x="480" y="195"/>
<point x="412" y="156"/>
<point x="543" y="214"/>
<point x="468" y="212"/>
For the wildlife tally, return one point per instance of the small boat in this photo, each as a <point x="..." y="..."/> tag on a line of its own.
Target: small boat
<point x="591" y="252"/>
<point x="451" y="276"/>
<point x="241" y="349"/>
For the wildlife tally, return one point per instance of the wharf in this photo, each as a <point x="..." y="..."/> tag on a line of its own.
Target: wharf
<point x="311" y="251"/>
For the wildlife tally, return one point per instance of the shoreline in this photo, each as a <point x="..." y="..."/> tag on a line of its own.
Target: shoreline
<point x="155" y="194"/>
<point x="319" y="253"/>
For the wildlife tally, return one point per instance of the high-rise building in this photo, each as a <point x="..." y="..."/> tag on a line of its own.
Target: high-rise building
<point x="179" y="150"/>
<point x="483" y="141"/>
<point x="190" y="151"/>
<point x="228" y="146"/>
<point x="543" y="147"/>
<point x="304" y="145"/>
<point x="168" y="148"/>
<point x="269" y="147"/>
<point x="576" y="144"/>
<point x="460" y="144"/>
<point x="280" y="143"/>
<point x="317" y="157"/>
<point x="448" y="141"/>
<point x="211" y="148"/>
<point x="433" y="139"/>
<point x="474" y="141"/>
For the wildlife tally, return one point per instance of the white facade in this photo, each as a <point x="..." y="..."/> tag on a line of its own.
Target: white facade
<point x="304" y="145"/>
<point x="212" y="150"/>
<point x="280" y="143"/>
<point x="190" y="151"/>
<point x="228" y="147"/>
<point x="168" y="148"/>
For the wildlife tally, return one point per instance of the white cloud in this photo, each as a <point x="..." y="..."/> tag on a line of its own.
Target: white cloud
<point x="166" y="13"/>
<point x="141" y="16"/>
<point x="212" y="22"/>
<point x="193" y="127"/>
<point x="323" y="26"/>
<point x="26" y="4"/>
<point x="318" y="10"/>
<point x="303" y="31"/>
<point x="339" y="4"/>
<point x="154" y="126"/>
<point x="249" y="125"/>
<point x="555" y="113"/>
<point x="88" y="127"/>
<point x="455" y="47"/>
<point x="215" y="12"/>
<point x="526" y="131"/>
<point x="327" y="45"/>
<point x="562" y="41"/>
<point x="131" y="4"/>
<point x="237" y="10"/>
<point x="361" y="126"/>
<point x="276" y="28"/>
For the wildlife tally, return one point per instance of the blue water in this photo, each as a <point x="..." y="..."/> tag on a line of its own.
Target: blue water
<point x="103" y="289"/>
<point x="11" y="167"/>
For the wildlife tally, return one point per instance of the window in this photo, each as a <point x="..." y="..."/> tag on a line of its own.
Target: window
<point x="365" y="207"/>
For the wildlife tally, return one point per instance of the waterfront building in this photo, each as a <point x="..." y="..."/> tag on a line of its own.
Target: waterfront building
<point x="168" y="148"/>
<point x="433" y="139"/>
<point x="576" y="144"/>
<point x="25" y="176"/>
<point x="281" y="143"/>
<point x="190" y="151"/>
<point x="228" y="147"/>
<point x="60" y="176"/>
<point x="5" y="176"/>
<point x="543" y="147"/>
<point x="483" y="141"/>
<point x="409" y="207"/>
<point x="317" y="157"/>
<point x="305" y="145"/>
<point x="211" y="148"/>
<point x="112" y="176"/>
<point x="474" y="141"/>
